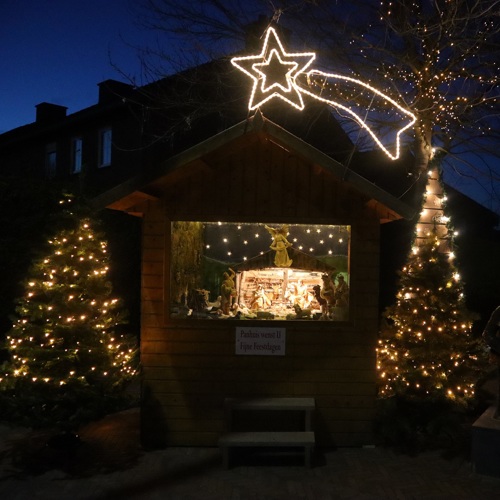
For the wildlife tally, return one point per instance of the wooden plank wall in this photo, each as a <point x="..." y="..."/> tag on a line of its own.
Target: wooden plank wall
<point x="190" y="366"/>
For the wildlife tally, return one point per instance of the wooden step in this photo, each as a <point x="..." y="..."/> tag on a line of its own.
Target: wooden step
<point x="304" y="440"/>
<point x="275" y="404"/>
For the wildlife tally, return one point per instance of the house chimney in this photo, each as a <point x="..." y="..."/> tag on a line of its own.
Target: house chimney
<point x="48" y="113"/>
<point x="113" y="90"/>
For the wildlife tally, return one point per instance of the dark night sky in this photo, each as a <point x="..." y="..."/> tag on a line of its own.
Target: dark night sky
<point x="59" y="50"/>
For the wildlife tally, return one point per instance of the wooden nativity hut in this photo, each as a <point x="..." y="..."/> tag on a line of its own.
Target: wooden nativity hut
<point x="242" y="236"/>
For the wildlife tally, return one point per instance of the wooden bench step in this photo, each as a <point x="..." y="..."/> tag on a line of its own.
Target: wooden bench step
<point x="274" y="404"/>
<point x="251" y="438"/>
<point x="304" y="440"/>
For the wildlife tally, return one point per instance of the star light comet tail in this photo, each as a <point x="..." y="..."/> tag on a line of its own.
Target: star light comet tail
<point x="275" y="73"/>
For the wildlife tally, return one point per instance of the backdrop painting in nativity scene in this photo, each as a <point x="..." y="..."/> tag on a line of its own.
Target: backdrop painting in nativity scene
<point x="228" y="270"/>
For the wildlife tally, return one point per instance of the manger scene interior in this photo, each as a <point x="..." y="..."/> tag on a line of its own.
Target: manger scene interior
<point x="229" y="270"/>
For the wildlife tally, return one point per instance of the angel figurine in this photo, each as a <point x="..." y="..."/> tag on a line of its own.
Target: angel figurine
<point x="280" y="245"/>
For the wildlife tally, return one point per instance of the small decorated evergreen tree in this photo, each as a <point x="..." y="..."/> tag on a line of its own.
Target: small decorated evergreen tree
<point x="427" y="351"/>
<point x="69" y="359"/>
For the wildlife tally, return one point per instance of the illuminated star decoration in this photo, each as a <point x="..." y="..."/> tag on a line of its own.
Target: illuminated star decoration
<point x="275" y="72"/>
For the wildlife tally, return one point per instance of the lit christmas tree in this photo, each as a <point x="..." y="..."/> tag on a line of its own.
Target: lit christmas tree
<point x="427" y="351"/>
<point x="69" y="362"/>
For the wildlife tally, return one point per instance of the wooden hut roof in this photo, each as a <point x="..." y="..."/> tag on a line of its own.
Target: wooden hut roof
<point x="129" y="195"/>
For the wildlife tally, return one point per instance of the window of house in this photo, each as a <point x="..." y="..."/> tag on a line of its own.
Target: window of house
<point x="51" y="160"/>
<point x="76" y="155"/>
<point x="228" y="270"/>
<point x="105" y="143"/>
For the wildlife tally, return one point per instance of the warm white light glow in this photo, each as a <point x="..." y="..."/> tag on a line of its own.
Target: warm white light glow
<point x="359" y="120"/>
<point x="274" y="73"/>
<point x="273" y="54"/>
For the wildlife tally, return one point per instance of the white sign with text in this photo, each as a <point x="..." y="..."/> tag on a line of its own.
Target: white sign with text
<point x="260" y="341"/>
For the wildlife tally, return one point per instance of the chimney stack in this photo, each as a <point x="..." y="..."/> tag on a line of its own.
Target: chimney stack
<point x="49" y="113"/>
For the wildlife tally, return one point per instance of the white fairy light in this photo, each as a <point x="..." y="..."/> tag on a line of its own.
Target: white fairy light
<point x="253" y="66"/>
<point x="359" y="120"/>
<point x="265" y="87"/>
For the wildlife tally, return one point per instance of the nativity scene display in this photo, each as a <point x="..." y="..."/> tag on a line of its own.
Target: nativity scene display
<point x="227" y="270"/>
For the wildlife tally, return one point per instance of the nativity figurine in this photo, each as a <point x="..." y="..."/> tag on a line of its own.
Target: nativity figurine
<point x="280" y="245"/>
<point x="228" y="291"/>
<point x="341" y="292"/>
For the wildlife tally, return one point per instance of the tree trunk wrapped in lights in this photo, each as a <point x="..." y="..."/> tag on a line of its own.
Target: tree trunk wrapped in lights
<point x="427" y="350"/>
<point x="69" y="356"/>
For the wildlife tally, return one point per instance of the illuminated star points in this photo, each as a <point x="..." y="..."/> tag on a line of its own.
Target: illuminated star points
<point x="276" y="67"/>
<point x="274" y="71"/>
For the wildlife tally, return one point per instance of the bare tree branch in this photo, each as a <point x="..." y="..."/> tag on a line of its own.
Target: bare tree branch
<point x="439" y="57"/>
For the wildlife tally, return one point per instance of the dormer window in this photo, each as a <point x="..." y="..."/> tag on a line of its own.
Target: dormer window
<point x="76" y="155"/>
<point x="51" y="160"/>
<point x="105" y="144"/>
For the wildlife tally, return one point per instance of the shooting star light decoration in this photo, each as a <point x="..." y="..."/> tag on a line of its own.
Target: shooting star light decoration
<point x="275" y="73"/>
